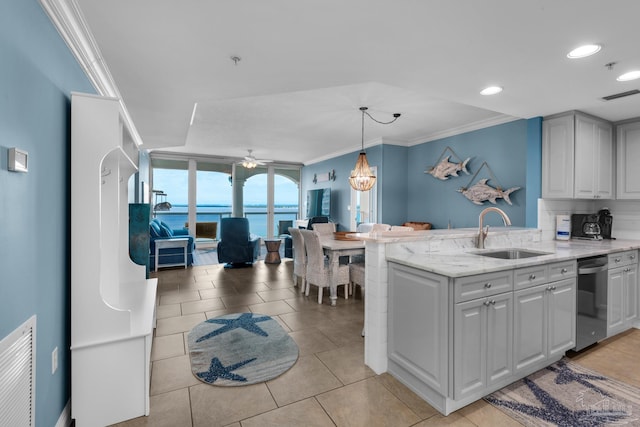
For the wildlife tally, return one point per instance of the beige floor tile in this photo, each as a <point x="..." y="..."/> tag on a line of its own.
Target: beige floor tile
<point x="251" y="287"/>
<point x="171" y="374"/>
<point x="281" y="323"/>
<point x="277" y="294"/>
<point x="421" y="408"/>
<point x="219" y="406"/>
<point x="173" y="298"/>
<point x="198" y="284"/>
<point x="174" y="325"/>
<point x="454" y="419"/>
<point x="306" y="413"/>
<point x="202" y="305"/>
<point x="343" y="333"/>
<point x="273" y="308"/>
<point x="169" y="310"/>
<point x="282" y="283"/>
<point x="311" y="341"/>
<point x="170" y="409"/>
<point x="217" y="292"/>
<point x="168" y="346"/>
<point x="308" y="377"/>
<point x="482" y="413"/>
<point x="347" y="363"/>
<point x="238" y="300"/>
<point x="300" y="320"/>
<point x="366" y="403"/>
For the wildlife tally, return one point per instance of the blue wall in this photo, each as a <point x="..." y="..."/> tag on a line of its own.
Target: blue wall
<point x="36" y="77"/>
<point x="405" y="193"/>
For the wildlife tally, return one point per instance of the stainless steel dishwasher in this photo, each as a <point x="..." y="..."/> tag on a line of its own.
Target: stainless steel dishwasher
<point x="591" y="306"/>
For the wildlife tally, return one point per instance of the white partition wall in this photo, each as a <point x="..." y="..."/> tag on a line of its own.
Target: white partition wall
<point x="112" y="302"/>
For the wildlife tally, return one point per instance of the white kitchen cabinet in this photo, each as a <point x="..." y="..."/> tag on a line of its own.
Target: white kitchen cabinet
<point x="622" y="292"/>
<point x="628" y="158"/>
<point x="577" y="157"/>
<point x="418" y="322"/>
<point x="483" y="343"/>
<point x="544" y="324"/>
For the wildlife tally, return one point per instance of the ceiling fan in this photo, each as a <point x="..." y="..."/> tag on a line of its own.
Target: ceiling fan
<point x="251" y="162"/>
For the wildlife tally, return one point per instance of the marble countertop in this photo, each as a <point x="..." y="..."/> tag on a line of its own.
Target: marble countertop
<point x="467" y="262"/>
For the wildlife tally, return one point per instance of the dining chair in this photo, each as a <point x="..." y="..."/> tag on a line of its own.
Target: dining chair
<point x="317" y="272"/>
<point x="357" y="278"/>
<point x="327" y="228"/>
<point x="299" y="259"/>
<point x="376" y="228"/>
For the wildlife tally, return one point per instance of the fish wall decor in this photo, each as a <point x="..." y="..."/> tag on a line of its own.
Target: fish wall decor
<point x="445" y="168"/>
<point x="481" y="192"/>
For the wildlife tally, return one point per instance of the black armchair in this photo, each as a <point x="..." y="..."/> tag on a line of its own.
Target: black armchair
<point x="237" y="245"/>
<point x="317" y="220"/>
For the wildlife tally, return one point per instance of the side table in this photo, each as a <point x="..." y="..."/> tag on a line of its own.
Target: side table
<point x="176" y="242"/>
<point x="273" y="251"/>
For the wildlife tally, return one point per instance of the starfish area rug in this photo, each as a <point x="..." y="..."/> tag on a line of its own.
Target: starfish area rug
<point x="240" y="349"/>
<point x="567" y="394"/>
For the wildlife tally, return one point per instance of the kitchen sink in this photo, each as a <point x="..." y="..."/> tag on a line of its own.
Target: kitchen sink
<point x="512" y="253"/>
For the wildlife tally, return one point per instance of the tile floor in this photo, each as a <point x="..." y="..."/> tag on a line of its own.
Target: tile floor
<point x="329" y="385"/>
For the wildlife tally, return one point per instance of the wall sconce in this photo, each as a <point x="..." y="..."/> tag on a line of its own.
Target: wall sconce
<point x="323" y="177"/>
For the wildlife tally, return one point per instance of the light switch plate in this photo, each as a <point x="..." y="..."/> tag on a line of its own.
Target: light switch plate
<point x="17" y="160"/>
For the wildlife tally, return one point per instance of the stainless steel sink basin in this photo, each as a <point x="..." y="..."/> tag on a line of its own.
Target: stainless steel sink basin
<point x="512" y="253"/>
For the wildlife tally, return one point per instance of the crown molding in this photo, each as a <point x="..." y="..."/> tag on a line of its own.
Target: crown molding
<point x="67" y="18"/>
<point x="481" y="124"/>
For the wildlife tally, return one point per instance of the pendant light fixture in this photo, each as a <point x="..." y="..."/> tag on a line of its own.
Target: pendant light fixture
<point x="362" y="179"/>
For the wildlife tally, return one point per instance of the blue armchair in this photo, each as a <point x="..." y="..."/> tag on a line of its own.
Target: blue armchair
<point x="237" y="247"/>
<point x="160" y="230"/>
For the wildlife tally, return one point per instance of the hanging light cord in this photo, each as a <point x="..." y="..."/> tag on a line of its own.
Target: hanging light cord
<point x="364" y="111"/>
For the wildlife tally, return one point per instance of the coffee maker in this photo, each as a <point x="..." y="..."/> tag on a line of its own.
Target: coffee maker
<point x="605" y="219"/>
<point x="585" y="226"/>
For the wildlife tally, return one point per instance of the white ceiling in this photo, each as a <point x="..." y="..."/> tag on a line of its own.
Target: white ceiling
<point x="307" y="67"/>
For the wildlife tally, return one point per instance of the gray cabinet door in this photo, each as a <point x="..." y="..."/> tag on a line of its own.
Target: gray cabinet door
<point x="615" y="301"/>
<point x="631" y="294"/>
<point x="499" y="338"/>
<point x="562" y="316"/>
<point x="470" y="347"/>
<point x="530" y="327"/>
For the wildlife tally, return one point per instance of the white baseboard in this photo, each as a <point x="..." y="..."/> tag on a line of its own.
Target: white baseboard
<point x="65" y="417"/>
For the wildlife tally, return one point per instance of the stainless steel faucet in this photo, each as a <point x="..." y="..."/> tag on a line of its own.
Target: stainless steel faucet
<point x="482" y="234"/>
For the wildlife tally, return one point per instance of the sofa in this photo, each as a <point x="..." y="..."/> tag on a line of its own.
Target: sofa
<point x="237" y="246"/>
<point x="160" y="230"/>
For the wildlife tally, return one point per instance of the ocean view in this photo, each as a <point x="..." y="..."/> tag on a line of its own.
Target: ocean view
<point x="256" y="214"/>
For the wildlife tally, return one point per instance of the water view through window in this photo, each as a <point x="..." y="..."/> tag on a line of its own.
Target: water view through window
<point x="214" y="196"/>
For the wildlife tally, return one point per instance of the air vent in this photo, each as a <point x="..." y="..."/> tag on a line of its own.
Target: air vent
<point x="621" y="95"/>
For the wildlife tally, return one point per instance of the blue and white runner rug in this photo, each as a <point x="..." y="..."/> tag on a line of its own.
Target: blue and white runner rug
<point x="566" y="394"/>
<point x="240" y="349"/>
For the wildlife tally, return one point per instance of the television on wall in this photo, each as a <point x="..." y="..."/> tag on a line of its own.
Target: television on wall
<point x="319" y="202"/>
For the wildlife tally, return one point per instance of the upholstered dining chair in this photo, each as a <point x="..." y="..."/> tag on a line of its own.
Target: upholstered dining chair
<point x="318" y="266"/>
<point x="401" y="228"/>
<point x="299" y="259"/>
<point x="325" y="228"/>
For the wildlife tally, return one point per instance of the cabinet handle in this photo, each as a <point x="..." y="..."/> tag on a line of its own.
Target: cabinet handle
<point x="532" y="277"/>
<point x="487" y="303"/>
<point x="493" y="302"/>
<point x="632" y="256"/>
<point x="617" y="260"/>
<point x="553" y="288"/>
<point x="487" y="285"/>
<point x="564" y="270"/>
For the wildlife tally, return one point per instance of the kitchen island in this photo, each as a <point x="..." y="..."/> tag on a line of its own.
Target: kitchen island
<point x="454" y="325"/>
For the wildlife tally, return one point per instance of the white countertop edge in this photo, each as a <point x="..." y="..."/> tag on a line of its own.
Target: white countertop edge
<point x="466" y="262"/>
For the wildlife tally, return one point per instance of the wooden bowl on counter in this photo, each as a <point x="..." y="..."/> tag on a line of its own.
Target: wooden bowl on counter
<point x="342" y="235"/>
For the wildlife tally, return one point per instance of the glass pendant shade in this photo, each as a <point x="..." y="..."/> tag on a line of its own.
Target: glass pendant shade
<point x="361" y="178"/>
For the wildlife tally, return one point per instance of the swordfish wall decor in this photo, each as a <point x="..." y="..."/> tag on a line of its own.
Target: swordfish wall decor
<point x="444" y="169"/>
<point x="481" y="191"/>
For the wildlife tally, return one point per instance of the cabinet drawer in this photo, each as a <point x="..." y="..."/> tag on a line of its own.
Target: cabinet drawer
<point x="482" y="285"/>
<point x="619" y="259"/>
<point x="530" y="276"/>
<point x="562" y="270"/>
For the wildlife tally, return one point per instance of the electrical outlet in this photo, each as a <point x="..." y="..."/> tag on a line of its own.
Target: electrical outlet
<point x="54" y="360"/>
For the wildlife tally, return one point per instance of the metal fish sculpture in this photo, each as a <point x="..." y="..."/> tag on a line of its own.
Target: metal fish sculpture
<point x="445" y="168"/>
<point x="480" y="192"/>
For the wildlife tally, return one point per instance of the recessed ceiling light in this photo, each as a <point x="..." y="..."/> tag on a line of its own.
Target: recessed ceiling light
<point x="584" y="51"/>
<point x="491" y="90"/>
<point x="631" y="75"/>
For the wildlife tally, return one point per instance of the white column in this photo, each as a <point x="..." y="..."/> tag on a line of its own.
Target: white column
<point x="237" y="184"/>
<point x="375" y="307"/>
<point x="192" y="195"/>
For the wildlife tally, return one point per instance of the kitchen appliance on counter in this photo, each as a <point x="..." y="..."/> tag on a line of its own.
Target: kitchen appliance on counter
<point x="591" y="301"/>
<point x="605" y="219"/>
<point x="585" y="226"/>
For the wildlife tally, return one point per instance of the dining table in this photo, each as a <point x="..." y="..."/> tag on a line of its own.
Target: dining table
<point x="334" y="249"/>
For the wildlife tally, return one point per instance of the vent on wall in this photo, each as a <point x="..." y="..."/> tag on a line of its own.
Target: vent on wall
<point x="17" y="376"/>
<point x="621" y="95"/>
